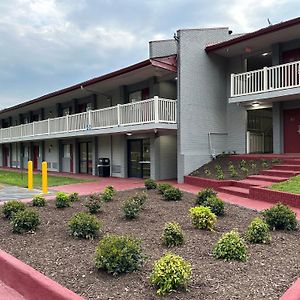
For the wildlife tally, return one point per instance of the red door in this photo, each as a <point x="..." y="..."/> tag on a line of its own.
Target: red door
<point x="290" y="56"/>
<point x="291" y="130"/>
<point x="71" y="159"/>
<point x="35" y="157"/>
<point x="5" y="153"/>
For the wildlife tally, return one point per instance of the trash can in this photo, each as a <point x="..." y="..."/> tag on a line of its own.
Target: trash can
<point x="103" y="167"/>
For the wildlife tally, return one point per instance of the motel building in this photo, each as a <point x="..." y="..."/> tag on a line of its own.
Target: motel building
<point x="202" y="93"/>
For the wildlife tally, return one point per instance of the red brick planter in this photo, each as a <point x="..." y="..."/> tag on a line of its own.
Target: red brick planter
<point x="207" y="183"/>
<point x="31" y="284"/>
<point x="258" y="193"/>
<point x="293" y="293"/>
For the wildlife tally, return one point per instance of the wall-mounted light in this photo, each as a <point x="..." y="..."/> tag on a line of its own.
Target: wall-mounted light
<point x="129" y="133"/>
<point x="266" y="54"/>
<point x="50" y="148"/>
<point x="255" y="104"/>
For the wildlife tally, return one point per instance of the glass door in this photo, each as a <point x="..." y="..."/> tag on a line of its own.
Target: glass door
<point x="85" y="158"/>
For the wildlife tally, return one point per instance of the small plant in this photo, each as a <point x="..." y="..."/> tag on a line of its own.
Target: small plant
<point x="94" y="203"/>
<point x="280" y="216"/>
<point x="131" y="208"/>
<point x="73" y="197"/>
<point x="84" y="225"/>
<point x="243" y="164"/>
<point x="232" y="171"/>
<point x="258" y="232"/>
<point x="172" y="235"/>
<point x="140" y="198"/>
<point x="204" y="195"/>
<point x="215" y="204"/>
<point x="245" y="171"/>
<point x="162" y="187"/>
<point x="25" y="220"/>
<point x="219" y="173"/>
<point x="62" y="200"/>
<point x="253" y="166"/>
<point x="172" y="194"/>
<point x="39" y="201"/>
<point x="264" y="164"/>
<point x="230" y="247"/>
<point x="150" y="184"/>
<point x="170" y="273"/>
<point x="202" y="217"/>
<point x="11" y="207"/>
<point x="276" y="160"/>
<point x="119" y="254"/>
<point x="108" y="194"/>
<point x="207" y="172"/>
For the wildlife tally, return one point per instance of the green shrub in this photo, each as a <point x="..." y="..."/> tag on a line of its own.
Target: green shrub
<point x="172" y="235"/>
<point x="62" y="200"/>
<point x="11" y="207"/>
<point x="202" y="217"/>
<point x="73" y="197"/>
<point x="280" y="216"/>
<point x="94" y="203"/>
<point x="131" y="208"/>
<point x="207" y="172"/>
<point x="172" y="194"/>
<point x="258" y="232"/>
<point x="220" y="173"/>
<point x="264" y="164"/>
<point x="140" y="198"/>
<point x="232" y="171"/>
<point x="204" y="195"/>
<point x="245" y="171"/>
<point x="39" y="201"/>
<point x="150" y="184"/>
<point x="215" y="204"/>
<point x="243" y="164"/>
<point x="119" y="254"/>
<point x="25" y="220"/>
<point x="276" y="160"/>
<point x="84" y="225"/>
<point x="253" y="166"/>
<point x="170" y="273"/>
<point x="108" y="193"/>
<point x="230" y="247"/>
<point x="162" y="187"/>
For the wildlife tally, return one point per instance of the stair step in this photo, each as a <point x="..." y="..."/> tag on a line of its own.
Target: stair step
<point x="292" y="161"/>
<point x="268" y="178"/>
<point x="248" y="182"/>
<point x="289" y="167"/>
<point x="235" y="190"/>
<point x="280" y="173"/>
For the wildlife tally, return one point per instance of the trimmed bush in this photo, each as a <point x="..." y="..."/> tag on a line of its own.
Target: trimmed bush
<point x="162" y="187"/>
<point x="203" y="218"/>
<point x="172" y="235"/>
<point x="232" y="171"/>
<point x="172" y="194"/>
<point x="25" y="220"/>
<point x="131" y="208"/>
<point x="108" y="193"/>
<point x="39" y="201"/>
<point x="119" y="254"/>
<point x="243" y="164"/>
<point x="11" y="207"/>
<point x="94" y="203"/>
<point x="73" y="197"/>
<point x="204" y="195"/>
<point x="215" y="204"/>
<point x="150" y="184"/>
<point x="258" y="232"/>
<point x="280" y="216"/>
<point x="170" y="273"/>
<point x="84" y="225"/>
<point x="62" y="200"/>
<point x="230" y="247"/>
<point x="140" y="198"/>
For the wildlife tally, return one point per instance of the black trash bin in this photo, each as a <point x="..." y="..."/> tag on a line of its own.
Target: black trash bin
<point x="103" y="167"/>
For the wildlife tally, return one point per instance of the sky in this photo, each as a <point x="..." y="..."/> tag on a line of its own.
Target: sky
<point x="46" y="45"/>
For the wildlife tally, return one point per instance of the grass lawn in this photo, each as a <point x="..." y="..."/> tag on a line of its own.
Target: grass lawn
<point x="20" y="179"/>
<point x="292" y="185"/>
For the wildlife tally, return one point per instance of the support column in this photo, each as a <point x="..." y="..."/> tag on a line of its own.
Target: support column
<point x="43" y="151"/>
<point x="277" y="128"/>
<point x="95" y="155"/>
<point x="60" y="155"/>
<point x="21" y="156"/>
<point x="10" y="155"/>
<point x="76" y="156"/>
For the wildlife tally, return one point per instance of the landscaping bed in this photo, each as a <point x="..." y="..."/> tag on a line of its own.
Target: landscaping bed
<point x="269" y="271"/>
<point x="233" y="169"/>
<point x="292" y="185"/>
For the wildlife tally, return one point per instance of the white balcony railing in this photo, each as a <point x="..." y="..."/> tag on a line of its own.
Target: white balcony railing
<point x="155" y="110"/>
<point x="265" y="80"/>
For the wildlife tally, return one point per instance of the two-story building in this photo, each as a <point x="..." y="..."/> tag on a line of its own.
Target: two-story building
<point x="202" y="93"/>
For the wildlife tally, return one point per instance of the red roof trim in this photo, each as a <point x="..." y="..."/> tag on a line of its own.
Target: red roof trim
<point x="254" y="34"/>
<point x="134" y="67"/>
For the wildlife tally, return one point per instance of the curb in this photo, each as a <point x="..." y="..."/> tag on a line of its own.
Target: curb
<point x="30" y="283"/>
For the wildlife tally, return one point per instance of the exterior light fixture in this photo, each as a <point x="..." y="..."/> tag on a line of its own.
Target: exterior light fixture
<point x="129" y="133"/>
<point x="265" y="54"/>
<point x="255" y="104"/>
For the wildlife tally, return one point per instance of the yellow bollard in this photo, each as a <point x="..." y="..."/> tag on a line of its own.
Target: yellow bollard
<point x="30" y="175"/>
<point x="44" y="178"/>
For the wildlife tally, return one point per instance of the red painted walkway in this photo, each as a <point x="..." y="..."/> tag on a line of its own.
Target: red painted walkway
<point x="7" y="293"/>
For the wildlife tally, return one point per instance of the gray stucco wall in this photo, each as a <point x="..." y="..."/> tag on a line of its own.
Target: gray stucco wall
<point x="162" y="48"/>
<point x="202" y="97"/>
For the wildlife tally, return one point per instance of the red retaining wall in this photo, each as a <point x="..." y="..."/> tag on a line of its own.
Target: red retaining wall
<point x="30" y="283"/>
<point x="259" y="193"/>
<point x="206" y="183"/>
<point x="293" y="293"/>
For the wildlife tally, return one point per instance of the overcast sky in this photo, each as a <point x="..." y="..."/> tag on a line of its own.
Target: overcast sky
<point x="47" y="45"/>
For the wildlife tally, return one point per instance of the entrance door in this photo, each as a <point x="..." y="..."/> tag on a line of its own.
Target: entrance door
<point x="36" y="150"/>
<point x="139" y="158"/>
<point x="85" y="158"/>
<point x="5" y="153"/>
<point x="291" y="131"/>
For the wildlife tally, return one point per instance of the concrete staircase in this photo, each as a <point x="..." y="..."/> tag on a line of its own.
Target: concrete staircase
<point x="289" y="167"/>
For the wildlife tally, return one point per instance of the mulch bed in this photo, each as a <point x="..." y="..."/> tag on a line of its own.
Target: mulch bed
<point x="224" y="160"/>
<point x="270" y="270"/>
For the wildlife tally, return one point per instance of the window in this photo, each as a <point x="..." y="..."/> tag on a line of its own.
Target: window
<point x="67" y="153"/>
<point x="66" y="111"/>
